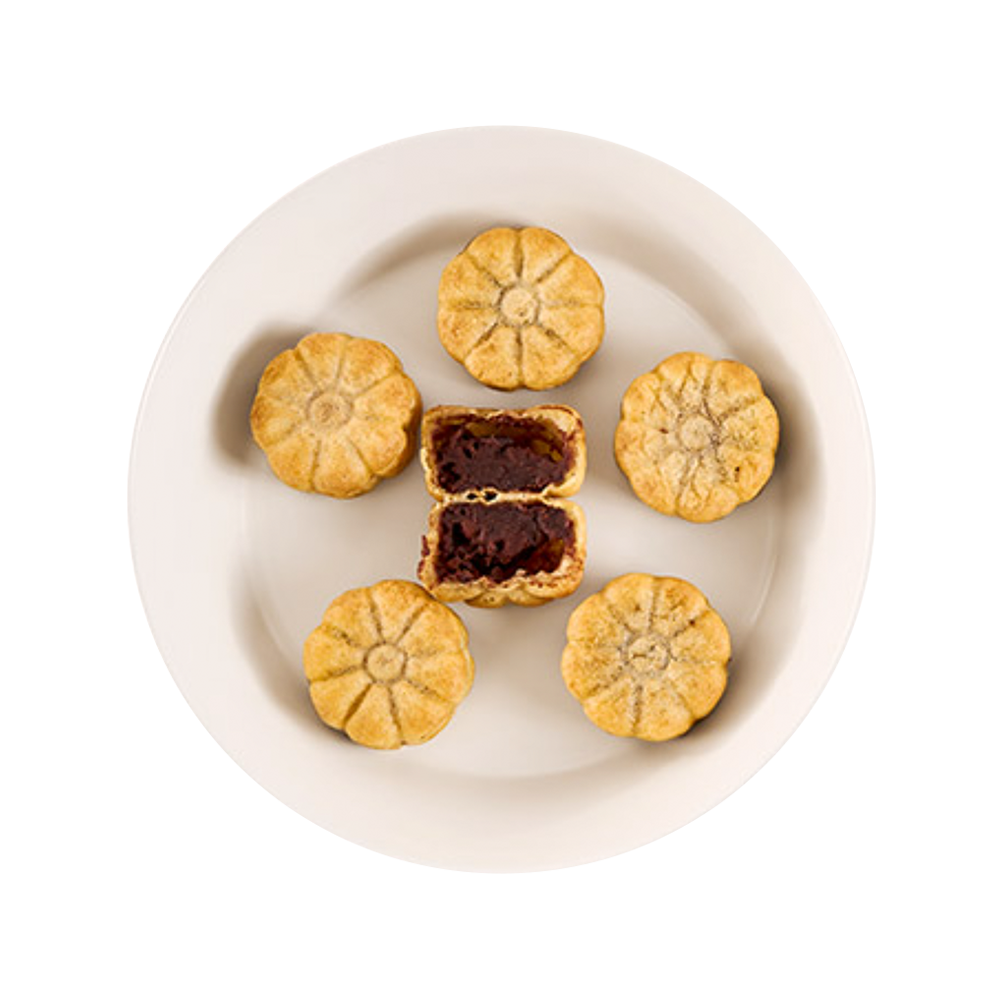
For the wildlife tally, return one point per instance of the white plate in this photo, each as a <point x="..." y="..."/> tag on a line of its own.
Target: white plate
<point x="235" y="568"/>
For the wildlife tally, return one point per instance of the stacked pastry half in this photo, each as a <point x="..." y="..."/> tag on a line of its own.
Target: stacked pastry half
<point x="501" y="530"/>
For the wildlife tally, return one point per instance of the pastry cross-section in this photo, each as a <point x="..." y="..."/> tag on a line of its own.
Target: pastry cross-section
<point x="475" y="450"/>
<point x="501" y="530"/>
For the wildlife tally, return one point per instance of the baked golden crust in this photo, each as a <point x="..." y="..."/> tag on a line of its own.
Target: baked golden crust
<point x="519" y="309"/>
<point x="336" y="415"/>
<point x="388" y="665"/>
<point x="524" y="588"/>
<point x="697" y="437"/>
<point x="646" y="657"/>
<point x="557" y="421"/>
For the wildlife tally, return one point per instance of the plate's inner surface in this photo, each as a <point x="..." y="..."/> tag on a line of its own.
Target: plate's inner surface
<point x="519" y="732"/>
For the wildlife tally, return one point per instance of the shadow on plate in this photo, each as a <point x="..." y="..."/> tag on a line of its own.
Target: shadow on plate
<point x="282" y="676"/>
<point x="238" y="386"/>
<point x="446" y="236"/>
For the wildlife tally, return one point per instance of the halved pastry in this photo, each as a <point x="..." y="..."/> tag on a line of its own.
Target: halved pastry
<point x="477" y="450"/>
<point x="524" y="550"/>
<point x="501" y="531"/>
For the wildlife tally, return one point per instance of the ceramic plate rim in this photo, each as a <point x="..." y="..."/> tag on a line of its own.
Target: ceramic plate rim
<point x="850" y="604"/>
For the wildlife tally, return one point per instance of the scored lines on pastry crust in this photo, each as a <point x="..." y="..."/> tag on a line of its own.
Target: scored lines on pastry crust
<point x="508" y="283"/>
<point x="623" y="662"/>
<point x="697" y="437"/>
<point x="336" y="414"/>
<point x="371" y="682"/>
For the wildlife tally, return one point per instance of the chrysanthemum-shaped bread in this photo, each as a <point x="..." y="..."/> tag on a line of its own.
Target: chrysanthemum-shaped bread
<point x="336" y="414"/>
<point x="388" y="665"/>
<point x="520" y="309"/>
<point x="697" y="437"/>
<point x="646" y="656"/>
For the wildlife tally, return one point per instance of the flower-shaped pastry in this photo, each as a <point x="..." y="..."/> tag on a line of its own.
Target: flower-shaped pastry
<point x="697" y="437"/>
<point x="520" y="309"/>
<point x="388" y="665"/>
<point x="336" y="414"/>
<point x="646" y="657"/>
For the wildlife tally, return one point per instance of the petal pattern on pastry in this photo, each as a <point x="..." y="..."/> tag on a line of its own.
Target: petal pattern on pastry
<point x="421" y="715"/>
<point x="497" y="361"/>
<point x="642" y="400"/>
<point x="335" y="698"/>
<point x="341" y="469"/>
<point x="715" y="415"/>
<point x="321" y="355"/>
<point x="351" y="615"/>
<point x="753" y="426"/>
<point x="669" y="668"/>
<point x="545" y="356"/>
<point x="394" y="606"/>
<point x="701" y="638"/>
<point x="541" y="252"/>
<point x="581" y="327"/>
<point x="308" y="395"/>
<point x="643" y="440"/>
<point x="394" y="398"/>
<point x="698" y="686"/>
<point x="293" y="459"/>
<point x="631" y="598"/>
<point x="591" y="626"/>
<point x="464" y="284"/>
<point x="464" y="328"/>
<point x="649" y="476"/>
<point x="730" y="387"/>
<point x="329" y="653"/>
<point x="498" y="254"/>
<point x="664" y="714"/>
<point x="365" y="681"/>
<point x="572" y="283"/>
<point x="373" y="722"/>
<point x="492" y="299"/>
<point x="587" y="670"/>
<point x="752" y="471"/>
<point x="678" y="605"/>
<point x="379" y="444"/>
<point x="436" y="628"/>
<point x="366" y="362"/>
<point x="446" y="674"/>
<point x="287" y="378"/>
<point x="274" y="420"/>
<point x="613" y="707"/>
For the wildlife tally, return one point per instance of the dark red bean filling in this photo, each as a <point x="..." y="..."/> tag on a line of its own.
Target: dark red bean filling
<point x="495" y="541"/>
<point x="506" y="454"/>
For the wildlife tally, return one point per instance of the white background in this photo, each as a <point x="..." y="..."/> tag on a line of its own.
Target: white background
<point x="811" y="192"/>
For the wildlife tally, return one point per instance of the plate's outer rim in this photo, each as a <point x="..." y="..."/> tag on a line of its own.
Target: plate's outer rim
<point x="750" y="767"/>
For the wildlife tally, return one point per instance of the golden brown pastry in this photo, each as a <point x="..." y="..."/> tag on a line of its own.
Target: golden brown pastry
<point x="336" y="415"/>
<point x="646" y="656"/>
<point x="520" y="309"/>
<point x="388" y="665"/>
<point x="697" y="437"/>
<point x="501" y="532"/>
